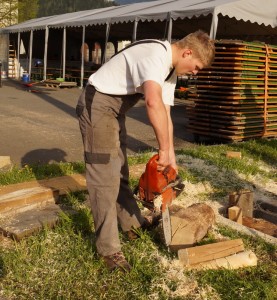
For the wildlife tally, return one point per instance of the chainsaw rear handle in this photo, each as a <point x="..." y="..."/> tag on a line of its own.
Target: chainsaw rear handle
<point x="168" y="171"/>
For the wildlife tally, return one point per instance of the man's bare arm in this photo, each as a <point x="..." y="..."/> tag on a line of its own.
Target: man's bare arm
<point x="172" y="158"/>
<point x="157" y="115"/>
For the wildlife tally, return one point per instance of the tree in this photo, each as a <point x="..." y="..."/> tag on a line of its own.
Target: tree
<point x="8" y="12"/>
<point x="56" y="7"/>
<point x="27" y="9"/>
<point x="14" y="11"/>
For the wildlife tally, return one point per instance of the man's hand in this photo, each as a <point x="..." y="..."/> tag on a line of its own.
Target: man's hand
<point x="163" y="161"/>
<point x="157" y="115"/>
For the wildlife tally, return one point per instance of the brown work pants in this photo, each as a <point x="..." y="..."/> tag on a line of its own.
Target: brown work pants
<point x="102" y="125"/>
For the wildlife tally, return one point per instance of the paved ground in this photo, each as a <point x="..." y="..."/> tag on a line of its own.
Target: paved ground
<point x="42" y="126"/>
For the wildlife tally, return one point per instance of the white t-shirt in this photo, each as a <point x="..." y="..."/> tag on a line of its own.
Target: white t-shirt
<point x="125" y="73"/>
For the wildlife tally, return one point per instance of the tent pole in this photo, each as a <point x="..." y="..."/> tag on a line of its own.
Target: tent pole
<point x="45" y="52"/>
<point x="18" y="55"/>
<point x="214" y="25"/>
<point x="108" y="25"/>
<point x="64" y="51"/>
<point x="83" y="56"/>
<point x="30" y="53"/>
<point x="169" y="32"/>
<point x="134" y="37"/>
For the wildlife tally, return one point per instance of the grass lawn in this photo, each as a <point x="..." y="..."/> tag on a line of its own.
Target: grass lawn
<point x="62" y="263"/>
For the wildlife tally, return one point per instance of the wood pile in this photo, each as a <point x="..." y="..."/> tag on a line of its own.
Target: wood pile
<point x="236" y="98"/>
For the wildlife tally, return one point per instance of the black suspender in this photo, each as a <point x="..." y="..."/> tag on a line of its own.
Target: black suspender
<point x="170" y="74"/>
<point x="138" y="43"/>
<point x="146" y="42"/>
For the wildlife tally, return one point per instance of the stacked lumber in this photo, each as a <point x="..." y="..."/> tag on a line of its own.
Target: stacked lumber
<point x="236" y="98"/>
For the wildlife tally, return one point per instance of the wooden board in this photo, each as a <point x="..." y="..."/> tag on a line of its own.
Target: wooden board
<point x="198" y="254"/>
<point x="63" y="184"/>
<point x="56" y="83"/>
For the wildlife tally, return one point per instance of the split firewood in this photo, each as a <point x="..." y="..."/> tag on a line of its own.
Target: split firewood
<point x="235" y="214"/>
<point x="204" y="253"/>
<point x="244" y="200"/>
<point x="189" y="225"/>
<point x="233" y="154"/>
<point x="235" y="261"/>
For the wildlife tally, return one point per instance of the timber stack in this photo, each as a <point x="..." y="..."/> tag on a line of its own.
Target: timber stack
<point x="236" y="98"/>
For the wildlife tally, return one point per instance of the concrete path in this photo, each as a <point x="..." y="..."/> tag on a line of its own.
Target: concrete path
<point x="41" y="126"/>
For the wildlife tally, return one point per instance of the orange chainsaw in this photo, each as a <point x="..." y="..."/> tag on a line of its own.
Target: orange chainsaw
<point x="157" y="189"/>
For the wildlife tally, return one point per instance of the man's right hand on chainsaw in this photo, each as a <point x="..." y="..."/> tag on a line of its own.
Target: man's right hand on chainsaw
<point x="166" y="159"/>
<point x="163" y="160"/>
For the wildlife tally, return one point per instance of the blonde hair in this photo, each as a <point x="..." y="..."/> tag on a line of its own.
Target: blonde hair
<point x="200" y="44"/>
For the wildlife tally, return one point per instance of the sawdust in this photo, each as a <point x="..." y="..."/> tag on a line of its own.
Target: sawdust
<point x="263" y="189"/>
<point x="173" y="272"/>
<point x="186" y="286"/>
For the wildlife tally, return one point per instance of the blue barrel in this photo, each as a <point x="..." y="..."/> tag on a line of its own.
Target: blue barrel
<point x="25" y="77"/>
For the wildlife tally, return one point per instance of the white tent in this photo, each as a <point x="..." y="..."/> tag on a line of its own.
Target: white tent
<point x="235" y="19"/>
<point x="262" y="12"/>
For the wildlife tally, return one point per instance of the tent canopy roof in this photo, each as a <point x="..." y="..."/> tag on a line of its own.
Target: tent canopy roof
<point x="255" y="11"/>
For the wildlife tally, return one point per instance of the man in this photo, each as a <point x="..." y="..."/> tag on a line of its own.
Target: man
<point x="147" y="68"/>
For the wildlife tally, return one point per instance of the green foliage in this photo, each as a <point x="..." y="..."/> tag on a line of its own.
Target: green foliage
<point x="248" y="283"/>
<point x="8" y="12"/>
<point x="27" y="9"/>
<point x="38" y="171"/>
<point x="56" y="7"/>
<point x="142" y="158"/>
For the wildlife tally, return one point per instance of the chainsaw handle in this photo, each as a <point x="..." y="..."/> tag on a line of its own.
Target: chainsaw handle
<point x="154" y="162"/>
<point x="166" y="170"/>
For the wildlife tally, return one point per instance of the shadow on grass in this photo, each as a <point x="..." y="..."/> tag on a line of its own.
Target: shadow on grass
<point x="2" y="268"/>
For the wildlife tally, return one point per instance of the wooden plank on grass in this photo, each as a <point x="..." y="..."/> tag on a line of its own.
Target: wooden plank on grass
<point x="198" y="254"/>
<point x="20" y="199"/>
<point x="64" y="184"/>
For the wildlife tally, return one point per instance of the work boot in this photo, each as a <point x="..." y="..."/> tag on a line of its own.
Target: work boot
<point x="117" y="261"/>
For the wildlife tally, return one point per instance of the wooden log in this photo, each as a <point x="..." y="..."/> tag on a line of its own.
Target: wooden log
<point x="234" y="214"/>
<point x="209" y="252"/>
<point x="233" y="154"/>
<point x="235" y="261"/>
<point x="189" y="225"/>
<point x="261" y="225"/>
<point x="244" y="200"/>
